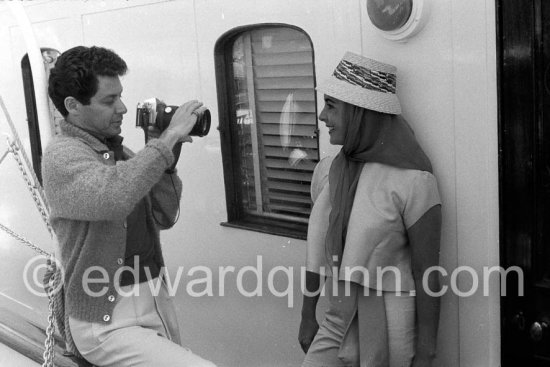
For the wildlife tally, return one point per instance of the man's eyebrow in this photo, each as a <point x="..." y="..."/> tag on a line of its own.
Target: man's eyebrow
<point x="113" y="95"/>
<point x="329" y="99"/>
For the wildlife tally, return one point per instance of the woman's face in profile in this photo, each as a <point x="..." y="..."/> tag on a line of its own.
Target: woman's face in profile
<point x="331" y="115"/>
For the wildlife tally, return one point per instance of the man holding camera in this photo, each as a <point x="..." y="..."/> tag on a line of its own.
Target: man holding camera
<point x="107" y="206"/>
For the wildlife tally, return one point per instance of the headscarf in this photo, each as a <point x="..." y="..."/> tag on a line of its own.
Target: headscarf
<point x="370" y="136"/>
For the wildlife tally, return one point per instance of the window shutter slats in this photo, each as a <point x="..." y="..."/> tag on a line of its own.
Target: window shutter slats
<point x="287" y="58"/>
<point x="290" y="200"/>
<point x="302" y="95"/>
<point x="288" y="186"/>
<point x="284" y="83"/>
<point x="276" y="108"/>
<point x="275" y="141"/>
<point x="277" y="71"/>
<point x="283" y="163"/>
<point x="289" y="175"/>
<point x="293" y="211"/>
<point x="267" y="46"/>
<point x="296" y="130"/>
<point x="299" y="118"/>
<point x="285" y="153"/>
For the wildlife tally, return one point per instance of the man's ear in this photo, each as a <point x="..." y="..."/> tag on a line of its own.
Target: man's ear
<point x="72" y="105"/>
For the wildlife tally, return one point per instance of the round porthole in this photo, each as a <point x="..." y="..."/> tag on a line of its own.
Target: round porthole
<point x="398" y="19"/>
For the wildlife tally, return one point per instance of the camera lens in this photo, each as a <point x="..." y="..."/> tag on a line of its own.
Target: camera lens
<point x="165" y="113"/>
<point x="202" y="126"/>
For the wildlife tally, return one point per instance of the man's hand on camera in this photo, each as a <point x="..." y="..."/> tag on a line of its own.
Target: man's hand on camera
<point x="181" y="124"/>
<point x="154" y="133"/>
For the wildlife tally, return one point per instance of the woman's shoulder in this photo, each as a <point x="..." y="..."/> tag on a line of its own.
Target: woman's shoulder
<point x="324" y="164"/>
<point x="412" y="191"/>
<point x="320" y="176"/>
<point x="398" y="176"/>
<point x="402" y="184"/>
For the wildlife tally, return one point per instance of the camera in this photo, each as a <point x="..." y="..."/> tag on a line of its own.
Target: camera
<point x="153" y="112"/>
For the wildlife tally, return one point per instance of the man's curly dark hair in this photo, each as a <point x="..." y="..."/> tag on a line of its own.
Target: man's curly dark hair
<point x="76" y="71"/>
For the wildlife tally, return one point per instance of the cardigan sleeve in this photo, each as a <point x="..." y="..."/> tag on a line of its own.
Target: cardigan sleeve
<point x="80" y="186"/>
<point x="165" y="198"/>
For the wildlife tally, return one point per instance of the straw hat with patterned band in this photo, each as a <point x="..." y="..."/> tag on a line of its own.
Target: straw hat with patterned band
<point x="365" y="83"/>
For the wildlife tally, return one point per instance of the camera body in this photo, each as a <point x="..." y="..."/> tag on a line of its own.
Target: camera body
<point x="153" y="112"/>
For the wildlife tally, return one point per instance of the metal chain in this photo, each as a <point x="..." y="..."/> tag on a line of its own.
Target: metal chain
<point x="49" y="343"/>
<point x="14" y="130"/>
<point x="24" y="241"/>
<point x="34" y="186"/>
<point x="35" y="190"/>
<point x="40" y="200"/>
<point x="16" y="149"/>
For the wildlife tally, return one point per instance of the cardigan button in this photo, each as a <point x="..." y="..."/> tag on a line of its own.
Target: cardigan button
<point x="111" y="298"/>
<point x="120" y="261"/>
<point x="106" y="155"/>
<point x="106" y="318"/>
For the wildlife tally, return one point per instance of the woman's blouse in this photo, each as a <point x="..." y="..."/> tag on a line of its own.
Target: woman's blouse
<point x="388" y="201"/>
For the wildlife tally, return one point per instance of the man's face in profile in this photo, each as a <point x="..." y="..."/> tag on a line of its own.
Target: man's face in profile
<point x="103" y="116"/>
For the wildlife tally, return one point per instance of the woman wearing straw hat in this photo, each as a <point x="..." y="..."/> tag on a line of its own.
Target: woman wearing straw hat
<point x="374" y="230"/>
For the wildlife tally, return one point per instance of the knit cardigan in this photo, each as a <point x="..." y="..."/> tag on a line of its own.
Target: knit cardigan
<point x="90" y="195"/>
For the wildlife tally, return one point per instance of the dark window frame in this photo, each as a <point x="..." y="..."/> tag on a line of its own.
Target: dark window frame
<point x="32" y="114"/>
<point x="236" y="215"/>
